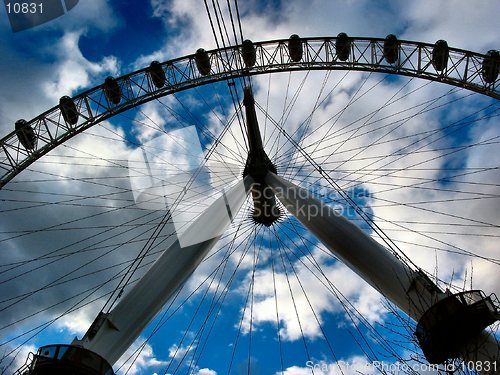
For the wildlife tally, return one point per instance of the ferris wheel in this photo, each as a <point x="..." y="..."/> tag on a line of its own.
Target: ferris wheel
<point x="279" y="197"/>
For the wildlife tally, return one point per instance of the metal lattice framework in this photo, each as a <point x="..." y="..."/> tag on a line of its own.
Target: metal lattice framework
<point x="462" y="68"/>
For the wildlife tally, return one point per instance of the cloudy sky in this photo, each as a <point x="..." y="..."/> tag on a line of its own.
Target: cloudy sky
<point x="420" y="158"/>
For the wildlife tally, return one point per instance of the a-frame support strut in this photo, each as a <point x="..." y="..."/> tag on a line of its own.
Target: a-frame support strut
<point x="112" y="333"/>
<point x="135" y="310"/>
<point x="412" y="291"/>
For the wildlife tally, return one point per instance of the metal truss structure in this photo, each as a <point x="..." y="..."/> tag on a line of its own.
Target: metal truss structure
<point x="33" y="139"/>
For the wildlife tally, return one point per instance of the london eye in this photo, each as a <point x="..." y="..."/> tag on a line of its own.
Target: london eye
<point x="277" y="170"/>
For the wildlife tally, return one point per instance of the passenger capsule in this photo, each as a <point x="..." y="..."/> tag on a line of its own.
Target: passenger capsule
<point x="440" y="55"/>
<point x="248" y="53"/>
<point x="112" y="90"/>
<point x="391" y="48"/>
<point x="491" y="66"/>
<point x="295" y="48"/>
<point x="202" y="61"/>
<point x="157" y="74"/>
<point x="68" y="110"/>
<point x="25" y="134"/>
<point x="343" y="46"/>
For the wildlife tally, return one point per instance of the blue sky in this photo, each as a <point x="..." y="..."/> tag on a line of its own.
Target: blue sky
<point x="456" y="209"/>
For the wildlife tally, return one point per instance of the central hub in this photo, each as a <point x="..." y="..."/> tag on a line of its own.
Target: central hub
<point x="257" y="166"/>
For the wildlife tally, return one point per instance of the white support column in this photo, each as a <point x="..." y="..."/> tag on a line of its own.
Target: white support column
<point x="403" y="286"/>
<point x="119" y="329"/>
<point x="411" y="291"/>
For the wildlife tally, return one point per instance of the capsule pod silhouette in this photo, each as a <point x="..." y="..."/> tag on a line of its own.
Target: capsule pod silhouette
<point x="343" y="47"/>
<point x="157" y="74"/>
<point x="68" y="110"/>
<point x="391" y="49"/>
<point x="491" y="66"/>
<point x="202" y="61"/>
<point x="295" y="48"/>
<point x="112" y="90"/>
<point x="248" y="53"/>
<point x="25" y="134"/>
<point x="440" y="55"/>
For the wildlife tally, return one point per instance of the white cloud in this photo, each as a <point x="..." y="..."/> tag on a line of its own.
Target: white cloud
<point x="314" y="296"/>
<point x="78" y="322"/>
<point x="464" y="25"/>
<point x="151" y="121"/>
<point x="145" y="361"/>
<point x="264" y="22"/>
<point x="18" y="359"/>
<point x="78" y="271"/>
<point x="206" y="371"/>
<point x="74" y="71"/>
<point x="33" y="84"/>
<point x="183" y="17"/>
<point x="176" y="351"/>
